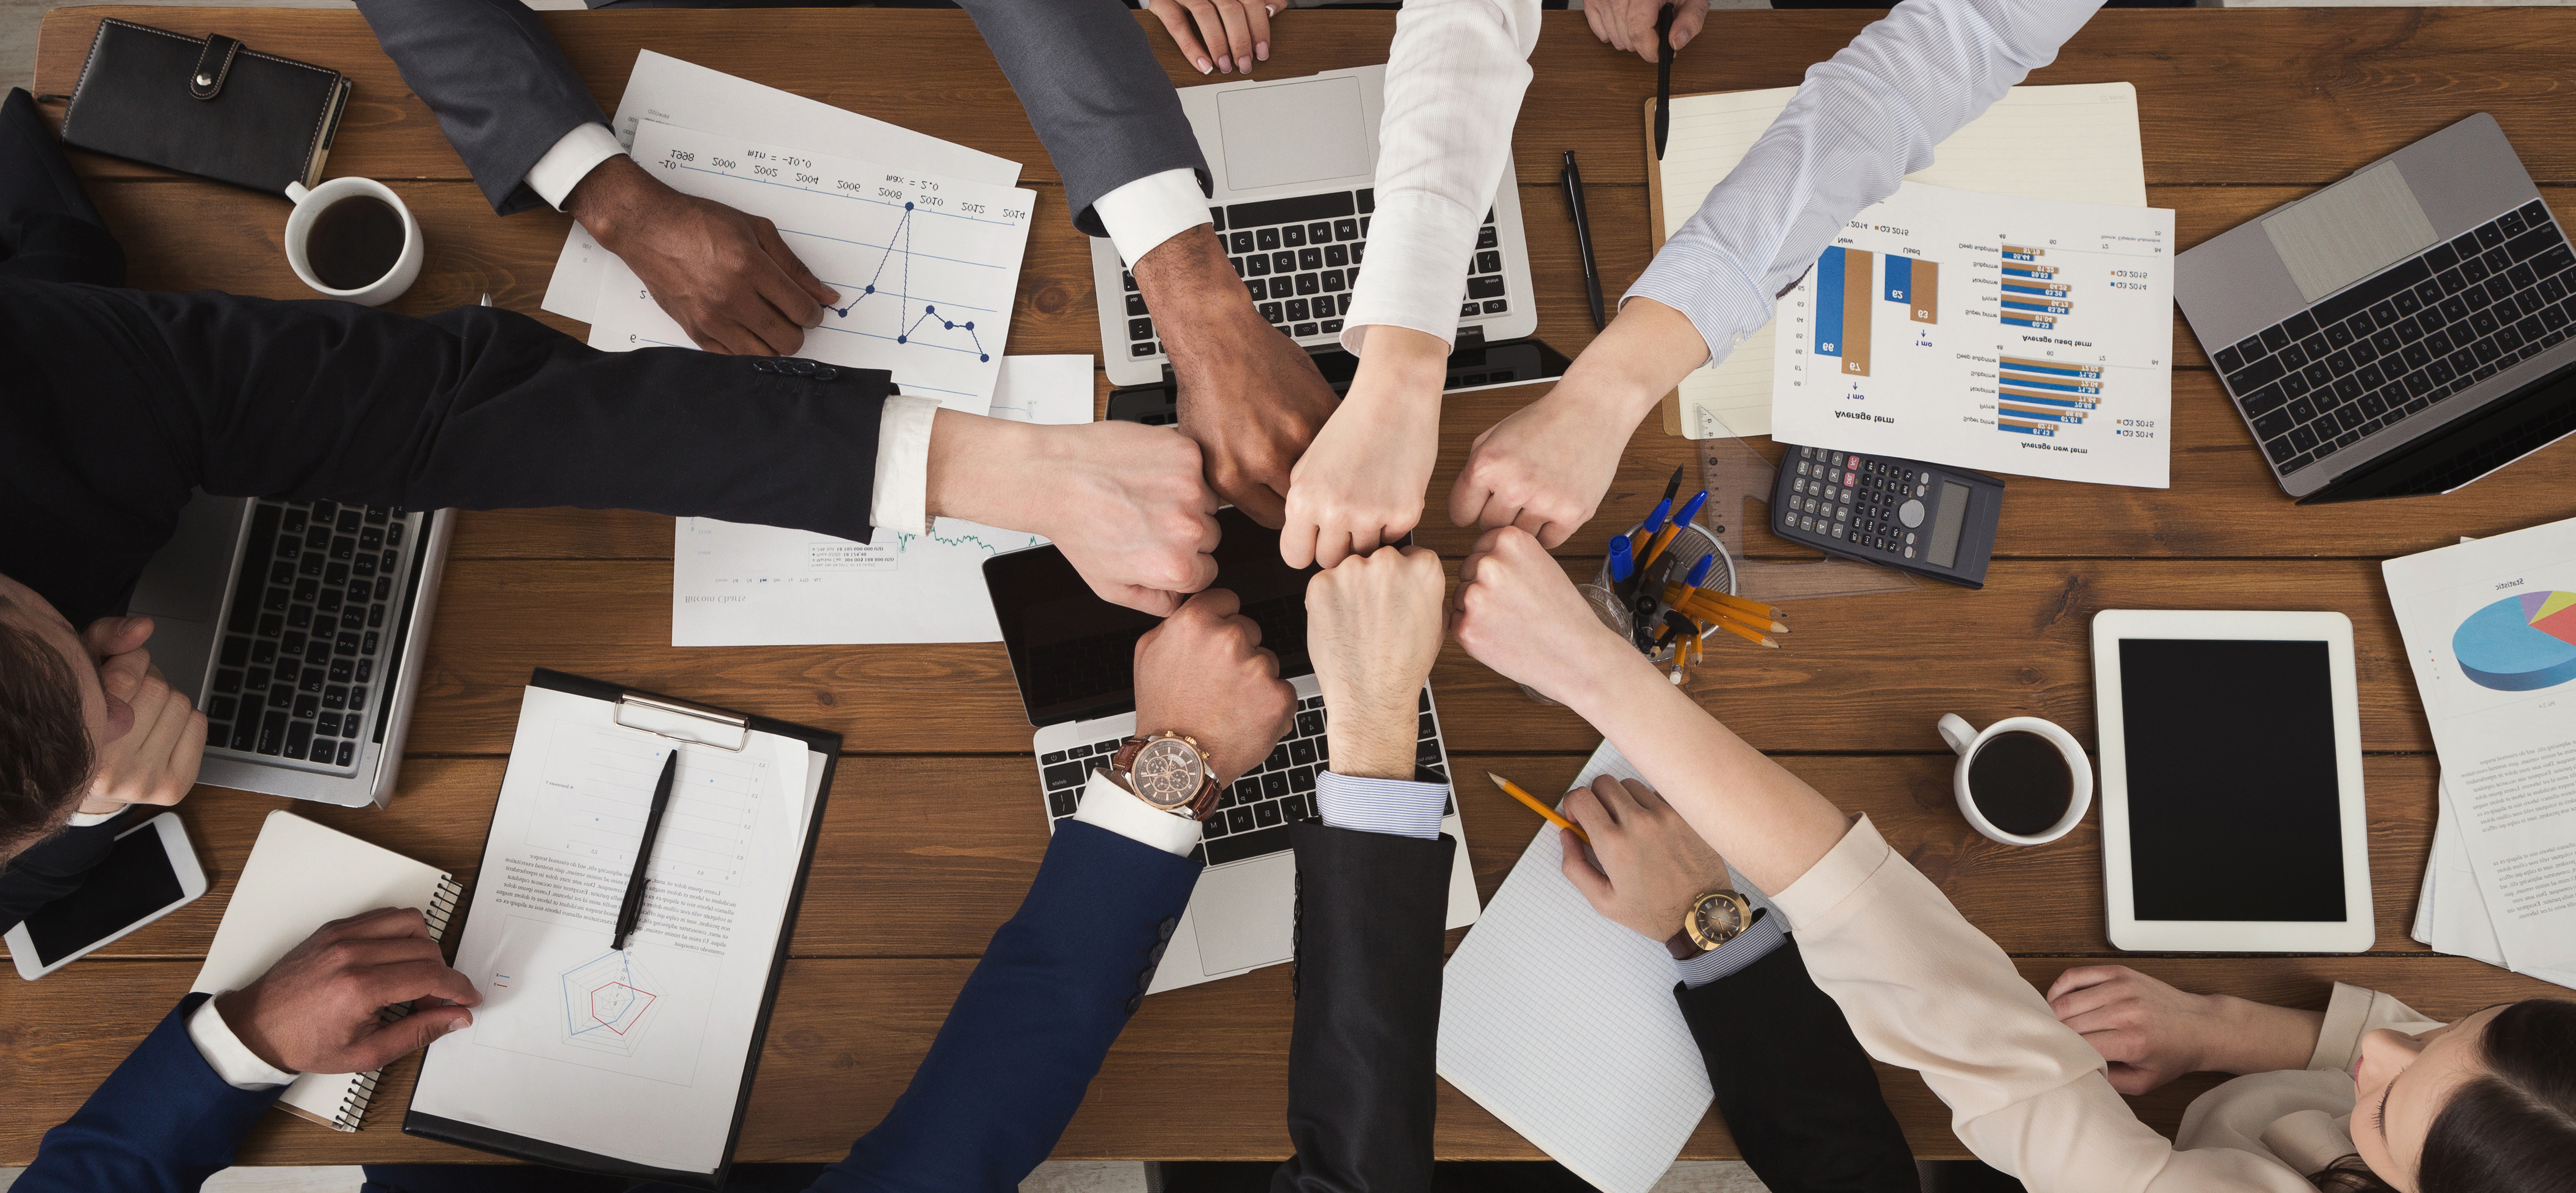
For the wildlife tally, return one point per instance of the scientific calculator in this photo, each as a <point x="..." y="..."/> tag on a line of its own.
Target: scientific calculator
<point x="1905" y="514"/>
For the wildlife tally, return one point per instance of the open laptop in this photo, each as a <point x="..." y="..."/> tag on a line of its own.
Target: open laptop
<point x="1074" y="655"/>
<point x="2403" y="331"/>
<point x="1294" y="164"/>
<point x="298" y="626"/>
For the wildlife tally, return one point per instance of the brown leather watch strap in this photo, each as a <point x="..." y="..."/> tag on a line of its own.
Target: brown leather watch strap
<point x="1200" y="807"/>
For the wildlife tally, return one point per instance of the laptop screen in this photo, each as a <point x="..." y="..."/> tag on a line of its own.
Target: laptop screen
<point x="1075" y="654"/>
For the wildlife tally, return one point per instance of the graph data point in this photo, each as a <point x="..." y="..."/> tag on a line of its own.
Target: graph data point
<point x="970" y="327"/>
<point x="928" y="309"/>
<point x="901" y="339"/>
<point x="872" y="290"/>
<point x="907" y="207"/>
<point x="984" y="357"/>
<point x="947" y="326"/>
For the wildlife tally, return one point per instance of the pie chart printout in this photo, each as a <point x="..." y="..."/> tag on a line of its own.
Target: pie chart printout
<point x="2521" y="643"/>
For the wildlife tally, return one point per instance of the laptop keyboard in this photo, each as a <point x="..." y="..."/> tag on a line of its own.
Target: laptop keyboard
<point x="1253" y="815"/>
<point x="301" y="664"/>
<point x="2390" y="348"/>
<point x="1300" y="257"/>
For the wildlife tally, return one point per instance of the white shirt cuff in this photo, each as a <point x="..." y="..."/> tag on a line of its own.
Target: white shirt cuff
<point x="1399" y="807"/>
<point x="899" y="498"/>
<point x="1143" y="214"/>
<point x="231" y="1059"/>
<point x="1107" y="805"/>
<point x="87" y="819"/>
<point x="1767" y="934"/>
<point x="571" y="160"/>
<point x="1419" y="248"/>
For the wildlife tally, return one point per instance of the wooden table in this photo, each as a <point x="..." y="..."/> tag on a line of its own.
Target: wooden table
<point x="933" y="834"/>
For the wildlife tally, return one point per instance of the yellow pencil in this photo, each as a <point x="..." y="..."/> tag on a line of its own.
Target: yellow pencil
<point x="1736" y="602"/>
<point x="1741" y="631"/>
<point x="1706" y="610"/>
<point x="1513" y="790"/>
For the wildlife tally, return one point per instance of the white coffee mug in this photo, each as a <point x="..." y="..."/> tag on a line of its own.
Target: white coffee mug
<point x="299" y="227"/>
<point x="1966" y="740"/>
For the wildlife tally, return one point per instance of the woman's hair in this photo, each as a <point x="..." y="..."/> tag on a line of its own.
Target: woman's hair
<point x="2511" y="1129"/>
<point x="44" y="746"/>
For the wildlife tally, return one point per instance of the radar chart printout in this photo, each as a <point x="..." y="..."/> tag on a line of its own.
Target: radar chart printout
<point x="639" y="1053"/>
<point x="1987" y="331"/>
<point x="2490" y="627"/>
<point x="926" y="265"/>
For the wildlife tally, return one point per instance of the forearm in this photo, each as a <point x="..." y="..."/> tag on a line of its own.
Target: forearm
<point x="1199" y="304"/>
<point x="1646" y="351"/>
<point x="2262" y="1038"/>
<point x="1768" y="823"/>
<point x="1100" y="102"/>
<point x="501" y="88"/>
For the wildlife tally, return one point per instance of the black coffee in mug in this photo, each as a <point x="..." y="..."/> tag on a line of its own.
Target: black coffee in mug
<point x="354" y="242"/>
<point x="2020" y="782"/>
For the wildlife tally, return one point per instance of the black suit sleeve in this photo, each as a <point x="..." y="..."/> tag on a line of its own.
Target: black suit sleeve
<point x="1361" y="1061"/>
<point x="1797" y="1090"/>
<point x="502" y="90"/>
<point x="51" y="869"/>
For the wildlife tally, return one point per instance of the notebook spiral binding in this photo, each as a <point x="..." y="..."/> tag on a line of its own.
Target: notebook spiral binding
<point x="353" y="1108"/>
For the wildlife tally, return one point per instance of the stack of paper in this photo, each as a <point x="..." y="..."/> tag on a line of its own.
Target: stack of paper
<point x="2076" y="143"/>
<point x="2490" y="627"/>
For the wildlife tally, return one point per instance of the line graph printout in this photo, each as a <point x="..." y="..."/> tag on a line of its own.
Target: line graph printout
<point x="634" y="1053"/>
<point x="926" y="265"/>
<point x="1987" y="331"/>
<point x="740" y="585"/>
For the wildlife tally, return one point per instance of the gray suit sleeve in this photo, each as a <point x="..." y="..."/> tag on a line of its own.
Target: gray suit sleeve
<point x="1087" y="77"/>
<point x="502" y="90"/>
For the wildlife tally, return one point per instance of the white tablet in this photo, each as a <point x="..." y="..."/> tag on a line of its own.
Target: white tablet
<point x="2232" y="814"/>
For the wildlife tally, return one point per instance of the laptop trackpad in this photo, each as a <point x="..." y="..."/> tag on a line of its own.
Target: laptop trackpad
<point x="1245" y="913"/>
<point x="1292" y="133"/>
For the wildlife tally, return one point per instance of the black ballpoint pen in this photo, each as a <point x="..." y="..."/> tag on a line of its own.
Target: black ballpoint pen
<point x="631" y="908"/>
<point x="1573" y="180"/>
<point x="1663" y="79"/>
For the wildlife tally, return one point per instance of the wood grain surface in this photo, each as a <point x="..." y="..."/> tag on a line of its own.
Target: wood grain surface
<point x="935" y="830"/>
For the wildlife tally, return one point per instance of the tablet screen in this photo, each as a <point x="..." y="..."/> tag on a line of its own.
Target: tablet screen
<point x="2233" y="796"/>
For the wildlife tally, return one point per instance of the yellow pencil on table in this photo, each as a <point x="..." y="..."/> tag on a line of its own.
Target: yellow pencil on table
<point x="1513" y="790"/>
<point x="1745" y="632"/>
<point x="1700" y="608"/>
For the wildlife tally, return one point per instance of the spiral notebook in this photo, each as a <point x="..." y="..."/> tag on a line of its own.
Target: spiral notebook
<point x="301" y="876"/>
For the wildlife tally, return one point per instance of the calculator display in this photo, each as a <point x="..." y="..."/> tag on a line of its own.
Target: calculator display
<point x="1952" y="515"/>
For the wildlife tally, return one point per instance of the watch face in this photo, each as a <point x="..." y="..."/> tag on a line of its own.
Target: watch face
<point x="1168" y="773"/>
<point x="1717" y="918"/>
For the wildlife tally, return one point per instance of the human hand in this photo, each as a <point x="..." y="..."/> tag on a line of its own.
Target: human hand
<point x="1646" y="864"/>
<point x="1361" y="483"/>
<point x="1543" y="468"/>
<point x="1204" y="674"/>
<point x="1373" y="628"/>
<point x="1239" y="30"/>
<point x="315" y="1011"/>
<point x="1518" y="614"/>
<point x="1123" y="501"/>
<point x="154" y="740"/>
<point x="1248" y="395"/>
<point x="725" y="277"/>
<point x="1630" y="24"/>
<point x="2152" y="1033"/>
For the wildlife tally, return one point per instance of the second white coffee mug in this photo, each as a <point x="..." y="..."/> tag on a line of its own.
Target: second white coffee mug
<point x="1967" y="740"/>
<point x="309" y="205"/>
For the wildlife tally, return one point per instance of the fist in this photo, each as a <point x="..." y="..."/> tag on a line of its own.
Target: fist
<point x="316" y="1010"/>
<point x="1373" y="625"/>
<point x="1127" y="506"/>
<point x="1203" y="674"/>
<point x="1518" y="614"/>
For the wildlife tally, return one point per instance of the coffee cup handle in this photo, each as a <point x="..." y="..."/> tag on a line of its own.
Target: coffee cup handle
<point x="295" y="192"/>
<point x="1956" y="731"/>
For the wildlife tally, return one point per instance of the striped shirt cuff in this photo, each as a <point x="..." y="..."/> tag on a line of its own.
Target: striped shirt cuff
<point x="1395" y="806"/>
<point x="1731" y="958"/>
<point x="1713" y="292"/>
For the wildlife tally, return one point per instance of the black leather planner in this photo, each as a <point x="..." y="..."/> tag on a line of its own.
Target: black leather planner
<point x="207" y="106"/>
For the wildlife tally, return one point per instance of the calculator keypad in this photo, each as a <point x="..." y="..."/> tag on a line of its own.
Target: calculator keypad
<point x="1856" y="500"/>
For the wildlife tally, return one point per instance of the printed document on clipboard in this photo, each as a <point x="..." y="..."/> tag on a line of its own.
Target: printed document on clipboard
<point x="636" y="1062"/>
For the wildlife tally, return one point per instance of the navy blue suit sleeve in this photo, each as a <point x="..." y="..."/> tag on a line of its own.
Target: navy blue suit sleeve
<point x="162" y="1121"/>
<point x="502" y="90"/>
<point x="1025" y="1036"/>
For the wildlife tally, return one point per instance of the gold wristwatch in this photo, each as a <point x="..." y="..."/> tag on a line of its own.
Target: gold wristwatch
<point x="1169" y="772"/>
<point x="1711" y="920"/>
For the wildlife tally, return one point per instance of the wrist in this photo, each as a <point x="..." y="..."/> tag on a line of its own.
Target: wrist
<point x="2257" y="1037"/>
<point x="1370" y="741"/>
<point x="991" y="470"/>
<point x="607" y="200"/>
<point x="1612" y="680"/>
<point x="1399" y="361"/>
<point x="234" y="1006"/>
<point x="1193" y="291"/>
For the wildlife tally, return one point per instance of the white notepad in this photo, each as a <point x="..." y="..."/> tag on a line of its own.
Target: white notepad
<point x="301" y="876"/>
<point x="2077" y="143"/>
<point x="1563" y="1024"/>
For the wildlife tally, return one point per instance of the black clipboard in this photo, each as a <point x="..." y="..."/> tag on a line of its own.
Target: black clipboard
<point x="718" y="721"/>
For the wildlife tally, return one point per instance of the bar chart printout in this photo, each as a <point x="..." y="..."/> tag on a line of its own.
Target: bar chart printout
<point x="1987" y="331"/>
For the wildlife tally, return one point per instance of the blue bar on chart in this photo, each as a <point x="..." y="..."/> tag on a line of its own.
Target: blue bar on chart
<point x="2032" y="298"/>
<point x="1915" y="285"/>
<point x="2037" y="397"/>
<point x="1842" y="293"/>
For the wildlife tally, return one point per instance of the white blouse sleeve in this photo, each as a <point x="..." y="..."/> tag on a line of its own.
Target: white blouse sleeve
<point x="2356" y="1012"/>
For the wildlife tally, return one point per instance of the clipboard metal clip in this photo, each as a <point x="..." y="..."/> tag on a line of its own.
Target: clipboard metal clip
<point x="692" y="723"/>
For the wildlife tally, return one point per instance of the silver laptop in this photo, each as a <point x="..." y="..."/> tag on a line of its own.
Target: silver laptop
<point x="1294" y="164"/>
<point x="2403" y="331"/>
<point x="298" y="627"/>
<point x="1074" y="654"/>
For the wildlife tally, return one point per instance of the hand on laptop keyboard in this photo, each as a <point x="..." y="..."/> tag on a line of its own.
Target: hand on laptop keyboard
<point x="1204" y="674"/>
<point x="1361" y="484"/>
<point x="154" y="740"/>
<point x="1250" y="396"/>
